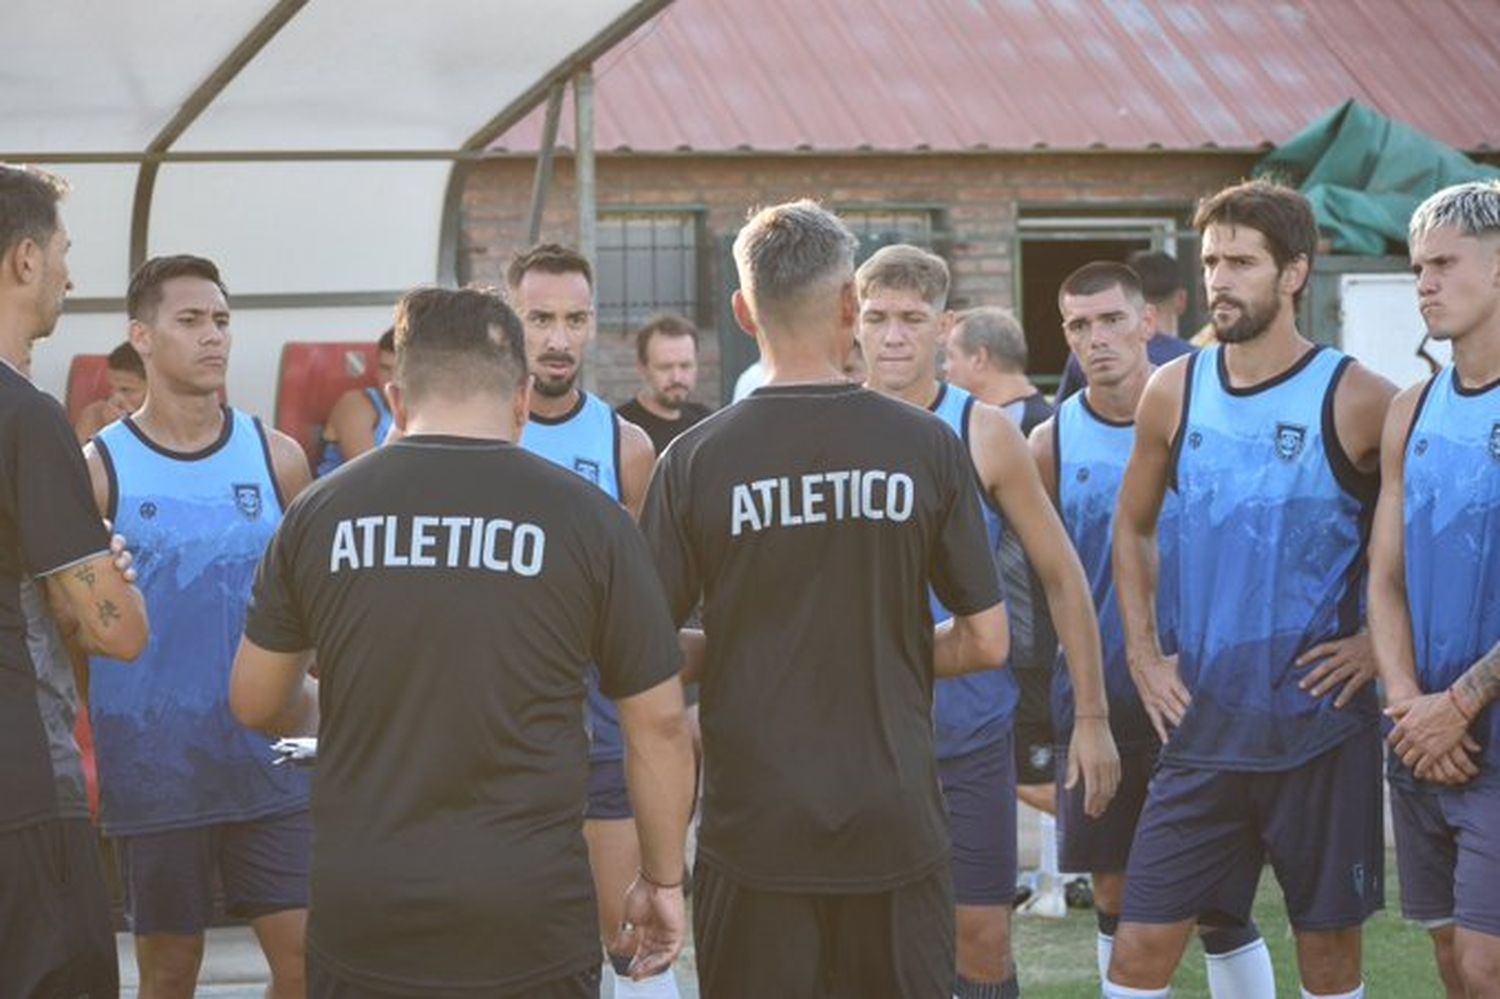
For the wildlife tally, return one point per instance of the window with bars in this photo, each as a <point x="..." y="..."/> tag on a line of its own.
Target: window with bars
<point x="645" y="263"/>
<point x="890" y="225"/>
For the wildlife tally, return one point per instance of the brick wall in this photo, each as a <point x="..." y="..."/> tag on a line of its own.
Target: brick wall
<point x="979" y="198"/>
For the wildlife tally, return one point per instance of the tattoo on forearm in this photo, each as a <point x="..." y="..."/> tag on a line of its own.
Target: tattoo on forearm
<point x="85" y="575"/>
<point x="107" y="612"/>
<point x="1481" y="684"/>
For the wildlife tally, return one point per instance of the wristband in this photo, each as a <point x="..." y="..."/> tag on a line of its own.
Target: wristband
<point x="651" y="882"/>
<point x="1458" y="704"/>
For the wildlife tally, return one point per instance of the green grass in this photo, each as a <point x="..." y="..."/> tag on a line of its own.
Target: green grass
<point x="1056" y="957"/>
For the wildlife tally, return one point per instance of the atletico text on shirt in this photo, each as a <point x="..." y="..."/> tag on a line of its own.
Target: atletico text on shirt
<point x="819" y="497"/>
<point x="418" y="542"/>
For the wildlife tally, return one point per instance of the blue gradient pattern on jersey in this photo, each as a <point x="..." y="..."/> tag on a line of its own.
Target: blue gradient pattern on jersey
<point x="1271" y="551"/>
<point x="1092" y="453"/>
<point x="975" y="710"/>
<point x="333" y="455"/>
<point x="1452" y="513"/>
<point x="587" y="441"/>
<point x="170" y="753"/>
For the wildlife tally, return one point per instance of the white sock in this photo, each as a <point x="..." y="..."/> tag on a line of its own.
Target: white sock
<point x="1358" y="993"/>
<point x="1047" y="863"/>
<point x="660" y="986"/>
<point x="1113" y="991"/>
<point x="1245" y="973"/>
<point x="1104" y="946"/>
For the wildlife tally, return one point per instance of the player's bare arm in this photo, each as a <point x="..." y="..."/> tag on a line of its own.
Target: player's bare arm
<point x="272" y="691"/>
<point x="1134" y="550"/>
<point x="971" y="643"/>
<point x="1012" y="480"/>
<point x="1041" y="444"/>
<point x="1432" y="730"/>
<point x="660" y="773"/>
<point x="1360" y="404"/>
<point x="289" y="464"/>
<point x="98" y="611"/>
<point x="351" y="425"/>
<point x="637" y="459"/>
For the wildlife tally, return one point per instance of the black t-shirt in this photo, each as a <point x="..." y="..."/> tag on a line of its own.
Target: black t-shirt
<point x="48" y="522"/>
<point x="456" y="591"/>
<point x="662" y="432"/>
<point x="811" y="519"/>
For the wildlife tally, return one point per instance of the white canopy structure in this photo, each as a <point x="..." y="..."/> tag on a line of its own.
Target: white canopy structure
<point x="314" y="148"/>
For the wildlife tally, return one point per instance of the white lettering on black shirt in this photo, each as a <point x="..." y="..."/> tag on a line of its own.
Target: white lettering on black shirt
<point x="820" y="497"/>
<point x="421" y="542"/>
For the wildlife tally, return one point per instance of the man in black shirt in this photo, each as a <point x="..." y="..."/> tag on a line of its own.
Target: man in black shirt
<point x="455" y="588"/>
<point x="810" y="518"/>
<point x="55" y="934"/>
<point x="666" y="352"/>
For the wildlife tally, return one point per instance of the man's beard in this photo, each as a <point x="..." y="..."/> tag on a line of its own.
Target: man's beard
<point x="554" y="389"/>
<point x="673" y="402"/>
<point x="1252" y="321"/>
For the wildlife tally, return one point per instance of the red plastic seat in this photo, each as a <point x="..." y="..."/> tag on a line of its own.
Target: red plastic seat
<point x="310" y="380"/>
<point x="86" y="383"/>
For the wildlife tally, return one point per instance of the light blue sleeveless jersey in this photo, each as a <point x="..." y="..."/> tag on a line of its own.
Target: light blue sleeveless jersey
<point x="1452" y="545"/>
<point x="587" y="441"/>
<point x="1089" y="454"/>
<point x="170" y="753"/>
<point x="1271" y="561"/>
<point x="975" y="710"/>
<point x="333" y="455"/>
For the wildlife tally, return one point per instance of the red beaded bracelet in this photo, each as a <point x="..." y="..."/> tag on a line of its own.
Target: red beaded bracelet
<point x="652" y="882"/>
<point x="1458" y="703"/>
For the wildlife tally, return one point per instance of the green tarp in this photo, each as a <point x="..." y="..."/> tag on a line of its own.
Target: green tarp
<point x="1365" y="174"/>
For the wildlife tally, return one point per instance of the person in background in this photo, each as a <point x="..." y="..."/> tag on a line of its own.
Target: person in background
<point x="1166" y="295"/>
<point x="666" y="352"/>
<point x="362" y="417"/>
<point x="126" y="376"/>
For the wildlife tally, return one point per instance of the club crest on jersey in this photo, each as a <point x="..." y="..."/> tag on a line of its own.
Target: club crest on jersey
<point x="1289" y="440"/>
<point x="1495" y="440"/>
<point x="588" y="468"/>
<point x="247" y="500"/>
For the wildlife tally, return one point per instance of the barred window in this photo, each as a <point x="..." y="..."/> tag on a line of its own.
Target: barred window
<point x="890" y="225"/>
<point x="647" y="262"/>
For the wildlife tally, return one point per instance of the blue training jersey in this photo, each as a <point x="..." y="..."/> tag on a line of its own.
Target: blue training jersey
<point x="333" y="455"/>
<point x="170" y="754"/>
<point x="1089" y="453"/>
<point x="1273" y="520"/>
<point x="587" y="441"/>
<point x="1451" y="508"/>
<point x="975" y="710"/>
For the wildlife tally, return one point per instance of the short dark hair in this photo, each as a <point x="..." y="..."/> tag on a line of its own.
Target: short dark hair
<point x="458" y="343"/>
<point x="1102" y="275"/>
<point x="1283" y="216"/>
<point x="549" y="258"/>
<point x="144" y="293"/>
<point x="387" y="342"/>
<point x="28" y="205"/>
<point x="125" y="358"/>
<point x="1160" y="276"/>
<point x="667" y="325"/>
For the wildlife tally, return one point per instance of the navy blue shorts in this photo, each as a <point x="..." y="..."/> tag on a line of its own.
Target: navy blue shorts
<point x="1448" y="854"/>
<point x="979" y="789"/>
<point x="608" y="797"/>
<point x="1205" y="834"/>
<point x="1102" y="845"/>
<point x="169" y="876"/>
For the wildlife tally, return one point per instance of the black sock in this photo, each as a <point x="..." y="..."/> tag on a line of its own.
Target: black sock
<point x="1008" y="989"/>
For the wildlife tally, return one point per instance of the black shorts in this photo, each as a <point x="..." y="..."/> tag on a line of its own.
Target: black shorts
<point x="790" y="945"/>
<point x="1033" y="727"/>
<point x="322" y="983"/>
<point x="55" y="933"/>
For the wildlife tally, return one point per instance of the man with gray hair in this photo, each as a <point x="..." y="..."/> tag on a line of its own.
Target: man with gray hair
<point x="810" y="519"/>
<point x="1434" y="573"/>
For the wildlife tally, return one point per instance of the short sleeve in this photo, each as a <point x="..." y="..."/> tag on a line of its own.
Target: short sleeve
<point x="56" y="518"/>
<point x="963" y="568"/>
<point x="274" y="619"/>
<point x="665" y="529"/>
<point x="635" y="642"/>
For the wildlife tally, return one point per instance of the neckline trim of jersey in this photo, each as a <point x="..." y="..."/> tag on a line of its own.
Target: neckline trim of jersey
<point x="225" y="432"/>
<point x="1269" y="383"/>
<point x="552" y="421"/>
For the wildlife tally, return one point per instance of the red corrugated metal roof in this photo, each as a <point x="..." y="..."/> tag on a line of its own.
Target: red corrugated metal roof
<point x="948" y="75"/>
